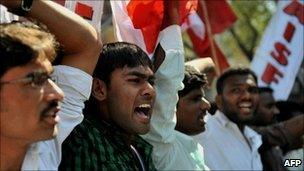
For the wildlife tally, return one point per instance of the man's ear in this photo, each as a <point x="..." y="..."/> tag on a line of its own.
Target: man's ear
<point x="218" y="101"/>
<point x="99" y="89"/>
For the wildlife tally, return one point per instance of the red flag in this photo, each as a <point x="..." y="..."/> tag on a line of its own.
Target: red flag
<point x="202" y="48"/>
<point x="148" y="17"/>
<point x="221" y="16"/>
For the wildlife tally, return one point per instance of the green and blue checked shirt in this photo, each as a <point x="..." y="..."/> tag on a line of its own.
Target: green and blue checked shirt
<point x="96" y="145"/>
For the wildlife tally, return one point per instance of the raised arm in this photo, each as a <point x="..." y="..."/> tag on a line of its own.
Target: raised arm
<point x="285" y="134"/>
<point x="78" y="38"/>
<point x="81" y="46"/>
<point x="169" y="60"/>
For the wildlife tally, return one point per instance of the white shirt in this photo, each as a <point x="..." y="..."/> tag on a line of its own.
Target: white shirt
<point x="5" y="16"/>
<point x="225" y="146"/>
<point x="172" y="150"/>
<point x="76" y="85"/>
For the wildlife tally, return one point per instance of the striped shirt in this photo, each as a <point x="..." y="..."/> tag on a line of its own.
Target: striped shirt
<point x="97" y="145"/>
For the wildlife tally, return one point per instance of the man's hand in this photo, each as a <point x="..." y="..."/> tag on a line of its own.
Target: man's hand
<point x="79" y="39"/>
<point x="171" y="13"/>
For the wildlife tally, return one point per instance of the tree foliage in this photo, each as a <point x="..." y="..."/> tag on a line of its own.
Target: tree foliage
<point x="242" y="39"/>
<point x="239" y="42"/>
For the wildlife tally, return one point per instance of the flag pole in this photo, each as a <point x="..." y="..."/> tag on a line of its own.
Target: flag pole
<point x="210" y="36"/>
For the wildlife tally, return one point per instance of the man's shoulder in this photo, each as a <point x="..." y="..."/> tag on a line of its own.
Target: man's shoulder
<point x="86" y="131"/>
<point x="143" y="144"/>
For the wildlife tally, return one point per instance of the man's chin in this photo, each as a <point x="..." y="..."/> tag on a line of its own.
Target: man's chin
<point x="143" y="131"/>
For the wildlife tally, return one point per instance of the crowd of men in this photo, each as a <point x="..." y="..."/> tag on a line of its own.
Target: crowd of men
<point x="70" y="103"/>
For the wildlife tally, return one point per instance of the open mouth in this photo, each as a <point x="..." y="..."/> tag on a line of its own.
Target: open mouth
<point x="144" y="112"/>
<point x="245" y="106"/>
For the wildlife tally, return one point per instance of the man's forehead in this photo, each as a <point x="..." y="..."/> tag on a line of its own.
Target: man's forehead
<point x="235" y="80"/>
<point x="267" y="97"/>
<point x="137" y="70"/>
<point x="197" y="91"/>
<point x="35" y="66"/>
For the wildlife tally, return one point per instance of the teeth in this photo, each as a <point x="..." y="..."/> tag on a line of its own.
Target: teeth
<point x="145" y="106"/>
<point x="245" y="104"/>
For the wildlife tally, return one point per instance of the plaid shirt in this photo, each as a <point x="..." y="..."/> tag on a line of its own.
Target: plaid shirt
<point x="99" y="146"/>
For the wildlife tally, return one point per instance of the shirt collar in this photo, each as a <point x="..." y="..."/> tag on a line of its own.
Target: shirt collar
<point x="253" y="137"/>
<point x="222" y="118"/>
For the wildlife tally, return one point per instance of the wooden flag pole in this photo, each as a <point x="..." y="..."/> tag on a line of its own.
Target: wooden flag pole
<point x="213" y="52"/>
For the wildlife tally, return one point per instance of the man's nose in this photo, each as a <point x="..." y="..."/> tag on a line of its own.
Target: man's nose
<point x="205" y="105"/>
<point x="148" y="91"/>
<point x="276" y="111"/>
<point x="53" y="92"/>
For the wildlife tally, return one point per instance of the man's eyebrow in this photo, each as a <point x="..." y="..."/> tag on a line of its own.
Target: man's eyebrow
<point x="141" y="75"/>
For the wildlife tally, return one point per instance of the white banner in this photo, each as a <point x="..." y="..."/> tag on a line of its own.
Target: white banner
<point x="90" y="10"/>
<point x="280" y="54"/>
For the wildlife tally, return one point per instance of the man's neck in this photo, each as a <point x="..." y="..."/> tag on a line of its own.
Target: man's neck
<point x="241" y="127"/>
<point x="12" y="154"/>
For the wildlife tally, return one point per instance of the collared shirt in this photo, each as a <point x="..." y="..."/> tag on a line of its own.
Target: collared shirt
<point x="97" y="145"/>
<point x="76" y="85"/>
<point x="225" y="145"/>
<point x="271" y="153"/>
<point x="172" y="150"/>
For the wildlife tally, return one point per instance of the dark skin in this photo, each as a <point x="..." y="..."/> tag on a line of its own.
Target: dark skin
<point x="171" y="17"/>
<point x="191" y="110"/>
<point x="81" y="51"/>
<point x="239" y="99"/>
<point x="267" y="110"/>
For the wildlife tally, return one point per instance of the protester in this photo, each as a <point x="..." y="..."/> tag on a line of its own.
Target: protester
<point x="267" y="110"/>
<point x="30" y="108"/>
<point x="204" y="65"/>
<point x="192" y="105"/>
<point x="272" y="157"/>
<point x="120" y="108"/>
<point x="292" y="117"/>
<point x="172" y="150"/>
<point x="228" y="143"/>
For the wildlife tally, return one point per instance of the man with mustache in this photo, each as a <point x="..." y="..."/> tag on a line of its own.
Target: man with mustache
<point x="30" y="112"/>
<point x="228" y="143"/>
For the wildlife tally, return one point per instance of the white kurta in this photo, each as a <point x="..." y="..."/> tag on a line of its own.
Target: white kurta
<point x="172" y="150"/>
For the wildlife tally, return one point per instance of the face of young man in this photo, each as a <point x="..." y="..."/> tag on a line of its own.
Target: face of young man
<point x="267" y="110"/>
<point x="239" y="98"/>
<point x="130" y="98"/>
<point x="28" y="112"/>
<point x="191" y="111"/>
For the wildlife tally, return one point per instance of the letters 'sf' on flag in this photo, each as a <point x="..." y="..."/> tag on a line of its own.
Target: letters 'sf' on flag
<point x="280" y="54"/>
<point x="140" y="22"/>
<point x="221" y="17"/>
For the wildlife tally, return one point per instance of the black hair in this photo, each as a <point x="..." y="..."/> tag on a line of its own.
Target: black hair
<point x="118" y="55"/>
<point x="193" y="79"/>
<point x="265" y="90"/>
<point x="114" y="56"/>
<point x="232" y="72"/>
<point x="288" y="109"/>
<point x="21" y="42"/>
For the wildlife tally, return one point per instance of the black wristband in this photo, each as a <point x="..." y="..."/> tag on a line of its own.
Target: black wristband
<point x="25" y="7"/>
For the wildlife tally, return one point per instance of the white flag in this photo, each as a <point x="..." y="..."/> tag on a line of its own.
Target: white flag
<point x="280" y="54"/>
